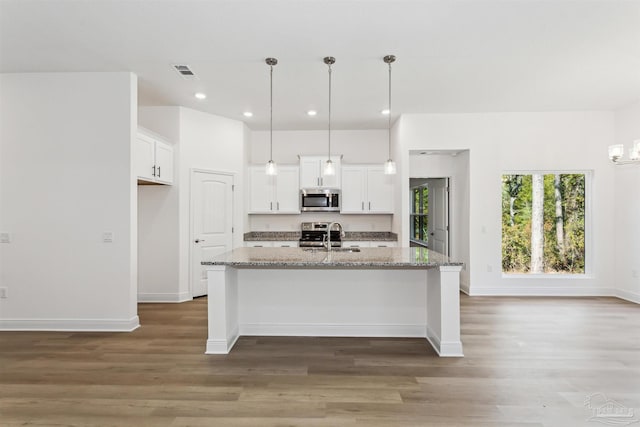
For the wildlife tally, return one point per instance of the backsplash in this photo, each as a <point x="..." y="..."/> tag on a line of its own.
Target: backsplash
<point x="292" y="222"/>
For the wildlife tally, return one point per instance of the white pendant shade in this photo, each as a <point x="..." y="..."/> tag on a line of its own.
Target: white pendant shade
<point x="389" y="167"/>
<point x="271" y="168"/>
<point x="329" y="168"/>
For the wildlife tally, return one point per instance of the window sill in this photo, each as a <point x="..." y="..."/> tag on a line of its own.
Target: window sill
<point x="553" y="276"/>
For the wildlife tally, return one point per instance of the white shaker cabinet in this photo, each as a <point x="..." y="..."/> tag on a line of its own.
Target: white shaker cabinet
<point x="272" y="244"/>
<point x="312" y="172"/>
<point x="153" y="158"/>
<point x="366" y="190"/>
<point x="369" y="244"/>
<point x="274" y="194"/>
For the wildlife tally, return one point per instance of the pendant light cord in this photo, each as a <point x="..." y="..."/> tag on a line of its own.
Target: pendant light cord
<point x="329" y="156"/>
<point x="389" y="110"/>
<point x="271" y="113"/>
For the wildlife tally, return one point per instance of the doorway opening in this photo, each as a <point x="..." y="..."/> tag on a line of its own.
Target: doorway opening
<point x="429" y="214"/>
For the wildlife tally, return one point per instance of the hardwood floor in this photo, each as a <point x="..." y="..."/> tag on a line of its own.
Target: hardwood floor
<point x="528" y="362"/>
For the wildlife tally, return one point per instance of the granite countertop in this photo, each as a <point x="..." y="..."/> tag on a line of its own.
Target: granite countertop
<point x="402" y="258"/>
<point x="254" y="236"/>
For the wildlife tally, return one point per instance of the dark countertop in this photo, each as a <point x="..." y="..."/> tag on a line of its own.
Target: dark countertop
<point x="254" y="236"/>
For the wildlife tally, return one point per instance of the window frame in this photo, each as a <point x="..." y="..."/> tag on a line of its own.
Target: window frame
<point x="588" y="226"/>
<point x="422" y="217"/>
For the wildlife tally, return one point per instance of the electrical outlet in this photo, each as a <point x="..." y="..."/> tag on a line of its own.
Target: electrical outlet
<point x="5" y="238"/>
<point x="4" y="293"/>
<point x="634" y="274"/>
<point x="489" y="268"/>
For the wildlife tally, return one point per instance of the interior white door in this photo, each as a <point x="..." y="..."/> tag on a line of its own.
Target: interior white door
<point x="212" y="223"/>
<point x="438" y="215"/>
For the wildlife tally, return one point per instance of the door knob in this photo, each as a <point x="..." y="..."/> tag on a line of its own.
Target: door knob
<point x="198" y="240"/>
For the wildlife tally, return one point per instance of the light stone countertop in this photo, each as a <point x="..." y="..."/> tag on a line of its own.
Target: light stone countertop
<point x="401" y="258"/>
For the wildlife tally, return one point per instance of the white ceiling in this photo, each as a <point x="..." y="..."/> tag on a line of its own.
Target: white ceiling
<point x="454" y="56"/>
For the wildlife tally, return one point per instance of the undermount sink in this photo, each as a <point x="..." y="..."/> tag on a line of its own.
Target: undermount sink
<point x="332" y="250"/>
<point x="345" y="250"/>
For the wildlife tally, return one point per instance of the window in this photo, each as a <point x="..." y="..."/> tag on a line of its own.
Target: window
<point x="419" y="211"/>
<point x="543" y="223"/>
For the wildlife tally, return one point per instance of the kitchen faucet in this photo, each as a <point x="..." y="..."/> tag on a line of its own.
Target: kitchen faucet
<point x="327" y="242"/>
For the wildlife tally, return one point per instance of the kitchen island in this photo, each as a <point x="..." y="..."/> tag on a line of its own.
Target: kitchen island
<point x="375" y="292"/>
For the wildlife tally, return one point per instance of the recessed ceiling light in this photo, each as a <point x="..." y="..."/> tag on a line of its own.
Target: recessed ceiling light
<point x="247" y="114"/>
<point x="200" y="95"/>
<point x="312" y="113"/>
<point x="385" y="111"/>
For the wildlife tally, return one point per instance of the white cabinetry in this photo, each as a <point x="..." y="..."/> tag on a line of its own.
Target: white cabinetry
<point x="272" y="244"/>
<point x="369" y="244"/>
<point x="312" y="172"/>
<point x="274" y="194"/>
<point x="366" y="190"/>
<point x="153" y="158"/>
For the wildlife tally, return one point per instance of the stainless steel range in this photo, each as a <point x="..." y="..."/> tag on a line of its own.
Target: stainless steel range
<point x="314" y="234"/>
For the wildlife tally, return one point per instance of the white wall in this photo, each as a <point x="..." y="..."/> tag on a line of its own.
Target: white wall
<point x="66" y="177"/>
<point x="202" y="141"/>
<point x="158" y="218"/>
<point x="457" y="169"/>
<point x="627" y="207"/>
<point x="356" y="146"/>
<point x="519" y="142"/>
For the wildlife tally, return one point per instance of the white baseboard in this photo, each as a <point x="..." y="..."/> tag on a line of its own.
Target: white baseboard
<point x="70" y="325"/>
<point x="333" y="330"/>
<point x="464" y="287"/>
<point x="542" y="291"/>
<point x="168" y="297"/>
<point x="221" y="346"/>
<point x="628" y="296"/>
<point x="444" y="349"/>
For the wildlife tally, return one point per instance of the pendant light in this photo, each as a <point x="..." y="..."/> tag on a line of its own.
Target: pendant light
<point x="329" y="168"/>
<point x="271" y="168"/>
<point x="389" y="165"/>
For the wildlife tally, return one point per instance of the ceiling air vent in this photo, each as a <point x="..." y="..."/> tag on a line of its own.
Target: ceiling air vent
<point x="185" y="72"/>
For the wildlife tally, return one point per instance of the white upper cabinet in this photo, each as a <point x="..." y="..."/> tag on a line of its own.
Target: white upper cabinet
<point x="366" y="190"/>
<point x="153" y="158"/>
<point x="311" y="172"/>
<point x="274" y="194"/>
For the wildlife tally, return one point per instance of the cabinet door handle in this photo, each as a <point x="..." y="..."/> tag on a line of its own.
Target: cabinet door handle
<point x="321" y="181"/>
<point x="270" y="206"/>
<point x="369" y="205"/>
<point x="199" y="240"/>
<point x="277" y="206"/>
<point x="362" y="205"/>
<point x="153" y="173"/>
<point x="158" y="171"/>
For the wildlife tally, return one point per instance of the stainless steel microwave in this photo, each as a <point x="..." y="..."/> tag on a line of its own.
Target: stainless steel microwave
<point x="320" y="200"/>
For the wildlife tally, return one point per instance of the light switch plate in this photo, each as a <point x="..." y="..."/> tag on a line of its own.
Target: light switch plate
<point x="5" y="238"/>
<point x="107" y="237"/>
<point x="4" y="293"/>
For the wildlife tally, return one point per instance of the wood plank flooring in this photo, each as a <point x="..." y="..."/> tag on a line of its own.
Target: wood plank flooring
<point x="528" y="362"/>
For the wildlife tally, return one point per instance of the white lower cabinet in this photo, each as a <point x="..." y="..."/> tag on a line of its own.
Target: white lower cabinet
<point x="272" y="244"/>
<point x="274" y="194"/>
<point x="369" y="244"/>
<point x="366" y="190"/>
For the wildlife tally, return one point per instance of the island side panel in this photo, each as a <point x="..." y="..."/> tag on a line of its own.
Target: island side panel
<point x="443" y="310"/>
<point x="333" y="302"/>
<point x="222" y="300"/>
